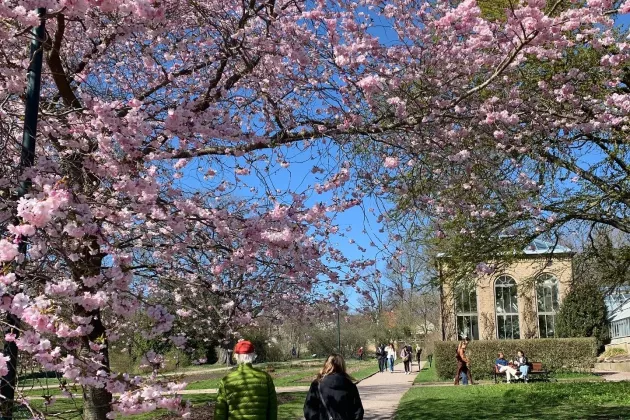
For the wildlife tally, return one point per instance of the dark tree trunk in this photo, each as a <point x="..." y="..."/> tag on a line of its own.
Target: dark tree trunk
<point x="96" y="401"/>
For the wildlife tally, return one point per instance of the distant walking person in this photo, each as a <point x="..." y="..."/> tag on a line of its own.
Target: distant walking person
<point x="463" y="362"/>
<point x="246" y="393"/>
<point x="333" y="395"/>
<point x="381" y="355"/>
<point x="293" y="352"/>
<point x="391" y="356"/>
<point x="418" y="355"/>
<point x="405" y="355"/>
<point x="360" y="353"/>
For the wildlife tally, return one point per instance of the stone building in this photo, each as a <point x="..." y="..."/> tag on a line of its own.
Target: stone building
<point x="520" y="301"/>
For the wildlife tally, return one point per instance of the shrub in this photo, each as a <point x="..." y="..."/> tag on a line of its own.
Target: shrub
<point x="175" y="359"/>
<point x="612" y="352"/>
<point x="583" y="313"/>
<point x="556" y="354"/>
<point x="276" y="353"/>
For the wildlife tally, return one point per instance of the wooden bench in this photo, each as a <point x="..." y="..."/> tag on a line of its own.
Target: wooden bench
<point x="535" y="369"/>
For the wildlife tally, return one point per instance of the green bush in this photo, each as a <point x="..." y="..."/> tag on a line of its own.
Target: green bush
<point x="583" y="313"/>
<point x="556" y="354"/>
<point x="175" y="359"/>
<point x="276" y="353"/>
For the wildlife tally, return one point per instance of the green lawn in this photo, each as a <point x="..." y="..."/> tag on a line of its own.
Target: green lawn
<point x="560" y="400"/>
<point x="577" y="376"/>
<point x="292" y="375"/>
<point x="290" y="408"/>
<point x="427" y="375"/>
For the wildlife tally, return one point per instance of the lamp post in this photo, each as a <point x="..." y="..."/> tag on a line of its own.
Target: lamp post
<point x="338" y="330"/>
<point x="27" y="159"/>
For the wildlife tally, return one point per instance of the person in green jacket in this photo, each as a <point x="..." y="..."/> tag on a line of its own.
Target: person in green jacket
<point x="246" y="393"/>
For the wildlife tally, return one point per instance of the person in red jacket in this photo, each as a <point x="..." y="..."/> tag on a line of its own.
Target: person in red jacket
<point x="360" y="353"/>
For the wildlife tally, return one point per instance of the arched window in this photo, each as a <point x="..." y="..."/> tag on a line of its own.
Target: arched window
<point x="548" y="304"/>
<point x="507" y="308"/>
<point x="466" y="312"/>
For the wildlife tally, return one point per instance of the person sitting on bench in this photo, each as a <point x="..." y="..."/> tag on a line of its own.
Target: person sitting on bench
<point x="523" y="364"/>
<point x="503" y="367"/>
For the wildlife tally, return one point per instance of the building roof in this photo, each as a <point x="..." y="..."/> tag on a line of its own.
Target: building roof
<point x="537" y="247"/>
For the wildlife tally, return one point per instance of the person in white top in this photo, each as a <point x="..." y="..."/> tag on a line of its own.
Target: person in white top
<point x="391" y="356"/>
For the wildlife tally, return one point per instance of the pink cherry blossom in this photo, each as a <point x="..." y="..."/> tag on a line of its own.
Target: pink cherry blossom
<point x="390" y="162"/>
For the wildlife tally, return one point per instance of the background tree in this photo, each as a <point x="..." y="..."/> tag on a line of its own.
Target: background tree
<point x="583" y="313"/>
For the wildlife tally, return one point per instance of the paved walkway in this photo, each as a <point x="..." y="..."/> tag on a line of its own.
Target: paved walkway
<point x="611" y="376"/>
<point x="381" y="393"/>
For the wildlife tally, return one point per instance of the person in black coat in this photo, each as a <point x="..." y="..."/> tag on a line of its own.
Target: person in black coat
<point x="381" y="355"/>
<point x="333" y="394"/>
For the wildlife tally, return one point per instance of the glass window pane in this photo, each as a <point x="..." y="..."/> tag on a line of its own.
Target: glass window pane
<point x="508" y="327"/>
<point x="551" y="331"/>
<point x="513" y="300"/>
<point x="499" y="299"/>
<point x="548" y="303"/>
<point x="540" y="299"/>
<point x="474" y="326"/>
<point x="506" y="302"/>
<point x="547" y="294"/>
<point x="542" y="326"/>
<point x="500" y="328"/>
<point x="468" y="326"/>
<point x="466" y="300"/>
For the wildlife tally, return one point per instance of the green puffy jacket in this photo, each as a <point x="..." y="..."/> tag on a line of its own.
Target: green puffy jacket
<point x="246" y="394"/>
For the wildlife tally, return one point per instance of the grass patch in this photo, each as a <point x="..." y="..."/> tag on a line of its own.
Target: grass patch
<point x="577" y="376"/>
<point x="364" y="372"/>
<point x="427" y="375"/>
<point x="572" y="400"/>
<point x="289" y="408"/>
<point x="291" y="375"/>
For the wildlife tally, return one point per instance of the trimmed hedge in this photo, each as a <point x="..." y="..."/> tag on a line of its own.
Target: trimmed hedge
<point x="556" y="354"/>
